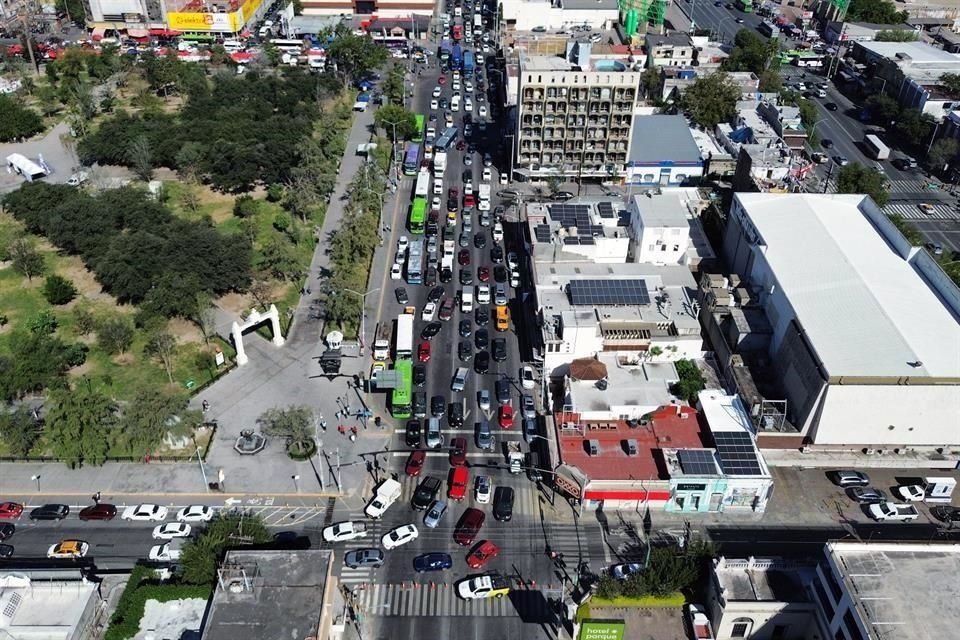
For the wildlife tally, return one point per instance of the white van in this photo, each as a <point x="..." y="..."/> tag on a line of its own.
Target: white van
<point x="466" y="301"/>
<point x="455" y="104"/>
<point x="483" y="294"/>
<point x="437" y="186"/>
<point x="232" y="46"/>
<point x="458" y="11"/>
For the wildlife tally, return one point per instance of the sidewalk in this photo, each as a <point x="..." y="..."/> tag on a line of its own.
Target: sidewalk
<point x="274" y="377"/>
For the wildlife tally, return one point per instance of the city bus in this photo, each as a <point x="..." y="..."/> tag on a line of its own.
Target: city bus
<point x="421" y="121"/>
<point x="418" y="215"/>
<point x="288" y="45"/>
<point x="411" y="160"/>
<point x="402" y="394"/>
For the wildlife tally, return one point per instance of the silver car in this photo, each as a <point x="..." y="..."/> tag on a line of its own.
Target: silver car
<point x="847" y="478"/>
<point x="528" y="407"/>
<point x="435" y="514"/>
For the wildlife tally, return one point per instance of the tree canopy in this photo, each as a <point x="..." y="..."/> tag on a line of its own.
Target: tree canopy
<point x="17" y="121"/>
<point x="856" y="178"/>
<point x="201" y="556"/>
<point x="394" y="118"/>
<point x="712" y="99"/>
<point x="355" y="56"/>
<point x="875" y="11"/>
<point x="752" y="53"/>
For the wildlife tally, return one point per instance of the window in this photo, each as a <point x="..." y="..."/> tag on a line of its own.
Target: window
<point x="741" y="628"/>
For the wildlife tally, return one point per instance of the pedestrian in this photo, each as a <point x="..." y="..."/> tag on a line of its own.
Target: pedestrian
<point x="353" y="430"/>
<point x="323" y="425"/>
<point x="342" y="429"/>
<point x="96" y="497"/>
<point x="206" y="406"/>
<point x="377" y="421"/>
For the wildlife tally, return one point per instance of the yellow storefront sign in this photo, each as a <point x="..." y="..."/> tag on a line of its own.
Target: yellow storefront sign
<point x="220" y="22"/>
<point x="248" y="9"/>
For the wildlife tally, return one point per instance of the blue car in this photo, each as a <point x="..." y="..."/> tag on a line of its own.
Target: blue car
<point x="432" y="562"/>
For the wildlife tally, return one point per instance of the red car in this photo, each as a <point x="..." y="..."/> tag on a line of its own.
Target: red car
<point x="458" y="452"/>
<point x="463" y="258"/>
<point x="10" y="510"/>
<point x="483" y="274"/>
<point x="468" y="526"/>
<point x="453" y="194"/>
<point x="415" y="463"/>
<point x="424" y="351"/>
<point x="468" y="200"/>
<point x="506" y="416"/>
<point x="442" y="80"/>
<point x="446" y="309"/>
<point x="481" y="554"/>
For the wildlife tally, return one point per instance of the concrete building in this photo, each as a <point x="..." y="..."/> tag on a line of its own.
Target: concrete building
<point x="275" y="594"/>
<point x="849" y="32"/>
<point x="140" y="19"/>
<point x="762" y="599"/>
<point x="909" y="72"/>
<point x="888" y="591"/>
<point x="786" y="121"/>
<point x="661" y="227"/>
<point x="671" y="50"/>
<point x="663" y="152"/>
<point x="861" y="343"/>
<point x="48" y="604"/>
<point x="525" y="15"/>
<point x="574" y="117"/>
<point x="762" y="167"/>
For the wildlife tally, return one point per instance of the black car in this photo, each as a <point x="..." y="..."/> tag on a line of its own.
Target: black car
<point x="425" y="493"/>
<point x="481" y="362"/>
<point x="455" y="415"/>
<point x="50" y="512"/>
<point x="480" y="240"/>
<point x="7" y="530"/>
<point x="452" y="204"/>
<point x="503" y="504"/>
<point x="412" y="435"/>
<point x="481" y="316"/>
<point x="499" y="349"/>
<point x="468" y="175"/>
<point x="943" y="513"/>
<point x="419" y="404"/>
<point x="502" y="388"/>
<point x="826" y="143"/>
<point x="496" y="254"/>
<point x="830" y="106"/>
<point x="500" y="274"/>
<point x="430" y="331"/>
<point x="419" y="375"/>
<point x="401" y="294"/>
<point x="466" y="329"/>
<point x="466" y="276"/>
<point x="435" y="294"/>
<point x="6" y="551"/>
<point x="431" y="278"/>
<point x="432" y="562"/>
<point x="446" y="275"/>
<point x="464" y="350"/>
<point x="437" y="405"/>
<point x="482" y="339"/>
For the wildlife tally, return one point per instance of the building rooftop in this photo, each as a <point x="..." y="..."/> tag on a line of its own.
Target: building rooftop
<point x="901" y="591"/>
<point x="588" y="228"/>
<point x="918" y="52"/>
<point x="659" y="138"/>
<point x="44" y="605"/>
<point x="663" y="210"/>
<point x="865" y="308"/>
<point x="762" y="580"/>
<point x="643" y="387"/>
<point x="281" y="595"/>
<point x="672" y="39"/>
<point x="590" y="5"/>
<point x="669" y="426"/>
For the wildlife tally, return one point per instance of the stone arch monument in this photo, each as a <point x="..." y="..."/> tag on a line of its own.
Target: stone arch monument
<point x="255" y="318"/>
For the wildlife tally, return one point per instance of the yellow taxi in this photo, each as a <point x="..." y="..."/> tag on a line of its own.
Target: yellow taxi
<point x="68" y="549"/>
<point x="927" y="208"/>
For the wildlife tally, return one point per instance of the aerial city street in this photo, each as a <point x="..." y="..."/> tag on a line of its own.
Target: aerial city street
<point x="578" y="319"/>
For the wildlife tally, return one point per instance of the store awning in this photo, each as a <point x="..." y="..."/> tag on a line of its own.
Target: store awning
<point x="98" y="33"/>
<point x="138" y="33"/>
<point x="639" y="494"/>
<point x="164" y="33"/>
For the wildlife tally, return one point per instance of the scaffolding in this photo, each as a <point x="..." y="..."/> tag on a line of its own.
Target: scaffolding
<point x="633" y="13"/>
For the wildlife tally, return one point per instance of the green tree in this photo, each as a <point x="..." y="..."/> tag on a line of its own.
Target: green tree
<point x="691" y="381"/>
<point x="856" y="178"/>
<point x="204" y="315"/>
<point x="19" y="430"/>
<point x="201" y="556"/>
<point x="896" y="35"/>
<point x="25" y="258"/>
<point x="295" y="424"/>
<point x="44" y="323"/>
<point x="37" y="361"/>
<point x="650" y="81"/>
<point x="951" y="83"/>
<point x="115" y="335"/>
<point x="752" y="53"/>
<point x="17" y="122"/>
<point x="915" y="126"/>
<point x="141" y="158"/>
<point x="394" y="119"/>
<point x="83" y="320"/>
<point x="883" y="108"/>
<point x="943" y="152"/>
<point x="245" y="207"/>
<point x="79" y="425"/>
<point x="58" y="290"/>
<point x="393" y="85"/>
<point x="279" y="258"/>
<point x="147" y="417"/>
<point x="909" y="232"/>
<point x="771" y="82"/>
<point x="163" y="347"/>
<point x="711" y="100"/>
<point x="875" y="11"/>
<point x="355" y="56"/>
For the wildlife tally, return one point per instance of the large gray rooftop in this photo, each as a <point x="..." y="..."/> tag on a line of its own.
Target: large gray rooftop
<point x="663" y="138"/>
<point x="277" y="594"/>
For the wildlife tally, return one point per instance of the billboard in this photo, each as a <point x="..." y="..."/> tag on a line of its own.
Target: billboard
<point x="602" y="630"/>
<point x="223" y="22"/>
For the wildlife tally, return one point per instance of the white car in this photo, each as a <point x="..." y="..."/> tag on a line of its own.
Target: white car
<point x="456" y="85"/>
<point x="482" y="489"/>
<point x="171" y="530"/>
<point x="437" y="186"/>
<point x="482" y="111"/>
<point x="512" y="261"/>
<point x="468" y="105"/>
<point x="163" y="553"/>
<point x="911" y="492"/>
<point x="395" y="272"/>
<point x="429" y="311"/>
<point x="402" y="243"/>
<point x="68" y="549"/>
<point x="483" y="399"/>
<point x="343" y="531"/>
<point x="195" y="513"/>
<point x="468" y="86"/>
<point x="142" y="512"/>
<point x="527" y="377"/>
<point x="498" y="233"/>
<point x="437" y="91"/>
<point x="487" y="175"/>
<point x="399" y="536"/>
<point x="434" y="105"/>
<point x="504" y="179"/>
<point x="483" y="294"/>
<point x="515" y="279"/>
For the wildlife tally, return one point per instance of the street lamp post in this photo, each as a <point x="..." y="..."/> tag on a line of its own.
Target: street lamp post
<point x="363" y="313"/>
<point x="393" y="146"/>
<point x="36" y="478"/>
<point x="296" y="482"/>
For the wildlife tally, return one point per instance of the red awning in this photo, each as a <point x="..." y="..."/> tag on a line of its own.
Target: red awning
<point x="626" y="495"/>
<point x="164" y="33"/>
<point x="138" y="33"/>
<point x="98" y="33"/>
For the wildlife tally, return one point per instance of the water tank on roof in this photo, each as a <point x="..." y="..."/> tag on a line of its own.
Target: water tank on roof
<point x="687" y="74"/>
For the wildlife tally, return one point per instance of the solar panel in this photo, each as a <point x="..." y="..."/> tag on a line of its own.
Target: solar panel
<point x="587" y="240"/>
<point x="736" y="453"/>
<point x="605" y="209"/>
<point x="571" y="240"/>
<point x="608" y="292"/>
<point x="569" y="214"/>
<point x="542" y="233"/>
<point x="697" y="462"/>
<point x="623" y="218"/>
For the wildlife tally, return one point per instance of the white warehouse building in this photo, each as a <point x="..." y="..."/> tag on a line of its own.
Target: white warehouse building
<point x="865" y="328"/>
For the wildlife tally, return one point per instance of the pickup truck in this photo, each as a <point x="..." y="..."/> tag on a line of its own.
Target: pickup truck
<point x="514" y="457"/>
<point x="387" y="493"/>
<point x="893" y="512"/>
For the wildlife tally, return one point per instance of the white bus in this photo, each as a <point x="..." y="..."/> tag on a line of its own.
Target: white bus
<point x="877" y="149"/>
<point x="423" y="184"/>
<point x="288" y="46"/>
<point x="27" y="168"/>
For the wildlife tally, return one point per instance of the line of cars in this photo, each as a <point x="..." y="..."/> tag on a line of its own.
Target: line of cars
<point x="880" y="507"/>
<point x="75" y="549"/>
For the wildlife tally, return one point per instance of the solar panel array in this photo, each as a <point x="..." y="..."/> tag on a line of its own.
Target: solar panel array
<point x="609" y="292"/>
<point x="623" y="218"/>
<point x="542" y="233"/>
<point x="575" y="215"/>
<point x="697" y="462"/>
<point x="605" y="209"/>
<point x="736" y="453"/>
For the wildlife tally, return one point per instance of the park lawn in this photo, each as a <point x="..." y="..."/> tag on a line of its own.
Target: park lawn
<point x="217" y="206"/>
<point x="671" y="601"/>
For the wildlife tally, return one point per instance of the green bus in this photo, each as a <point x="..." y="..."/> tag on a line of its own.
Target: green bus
<point x="421" y="128"/>
<point x="418" y="215"/>
<point x="402" y="395"/>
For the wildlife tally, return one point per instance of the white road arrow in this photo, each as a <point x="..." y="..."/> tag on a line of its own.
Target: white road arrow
<point x="232" y="501"/>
